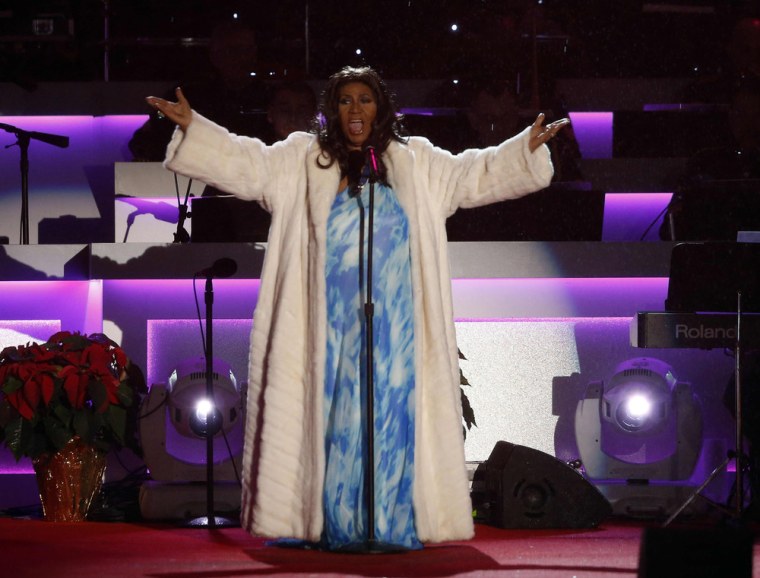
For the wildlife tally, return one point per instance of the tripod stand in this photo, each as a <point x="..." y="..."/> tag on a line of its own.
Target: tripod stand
<point x="738" y="264"/>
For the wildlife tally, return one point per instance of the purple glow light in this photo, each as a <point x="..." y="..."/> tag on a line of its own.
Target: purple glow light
<point x="628" y="215"/>
<point x="698" y="107"/>
<point x="593" y="130"/>
<point x="76" y="304"/>
<point x="103" y="135"/>
<point x="604" y="320"/>
<point x="60" y="178"/>
<point x="147" y="219"/>
<point x="174" y="298"/>
<point x="557" y="297"/>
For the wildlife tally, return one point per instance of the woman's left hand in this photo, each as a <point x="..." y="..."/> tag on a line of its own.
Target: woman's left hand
<point x="540" y="134"/>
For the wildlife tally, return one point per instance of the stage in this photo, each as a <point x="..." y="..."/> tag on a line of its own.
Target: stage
<point x="33" y="548"/>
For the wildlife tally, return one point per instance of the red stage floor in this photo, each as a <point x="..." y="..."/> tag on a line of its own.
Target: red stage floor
<point x="33" y="548"/>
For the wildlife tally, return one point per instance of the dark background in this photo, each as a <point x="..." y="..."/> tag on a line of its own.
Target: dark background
<point x="167" y="39"/>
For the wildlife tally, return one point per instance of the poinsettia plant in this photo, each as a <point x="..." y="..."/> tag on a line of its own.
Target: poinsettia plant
<point x="73" y="385"/>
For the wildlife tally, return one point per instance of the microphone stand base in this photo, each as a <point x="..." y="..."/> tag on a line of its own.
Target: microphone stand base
<point x="211" y="523"/>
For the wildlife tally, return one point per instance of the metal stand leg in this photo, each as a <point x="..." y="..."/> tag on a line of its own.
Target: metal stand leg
<point x="738" y="455"/>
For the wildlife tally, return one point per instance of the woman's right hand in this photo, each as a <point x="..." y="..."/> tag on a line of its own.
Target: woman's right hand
<point x="178" y="112"/>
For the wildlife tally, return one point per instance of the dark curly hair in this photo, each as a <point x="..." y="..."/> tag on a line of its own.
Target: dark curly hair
<point x="386" y="127"/>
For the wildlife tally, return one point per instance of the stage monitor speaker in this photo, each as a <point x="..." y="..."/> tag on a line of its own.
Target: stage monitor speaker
<point x="695" y="553"/>
<point x="520" y="487"/>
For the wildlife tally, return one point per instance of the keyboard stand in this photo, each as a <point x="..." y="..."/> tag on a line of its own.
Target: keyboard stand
<point x="718" y="277"/>
<point x="738" y="454"/>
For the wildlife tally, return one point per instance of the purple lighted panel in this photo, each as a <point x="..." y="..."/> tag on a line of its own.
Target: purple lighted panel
<point x="76" y="305"/>
<point x="593" y="130"/>
<point x="498" y="299"/>
<point x="63" y="181"/>
<point x="74" y="181"/>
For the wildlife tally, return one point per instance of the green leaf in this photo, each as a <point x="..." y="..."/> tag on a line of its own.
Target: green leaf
<point x="57" y="432"/>
<point x="25" y="438"/>
<point x="12" y="383"/>
<point x="82" y="427"/>
<point x="117" y="420"/>
<point x="63" y="414"/>
<point x="97" y="392"/>
<point x="13" y="436"/>
<point x="125" y="394"/>
<point x="39" y="443"/>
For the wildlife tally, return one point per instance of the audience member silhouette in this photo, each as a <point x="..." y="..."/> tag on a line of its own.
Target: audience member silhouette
<point x="292" y="106"/>
<point x="486" y="110"/>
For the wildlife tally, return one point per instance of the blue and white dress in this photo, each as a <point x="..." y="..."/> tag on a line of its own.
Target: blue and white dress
<point x="345" y="377"/>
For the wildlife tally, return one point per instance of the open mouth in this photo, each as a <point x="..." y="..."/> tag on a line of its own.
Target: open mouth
<point x="356" y="127"/>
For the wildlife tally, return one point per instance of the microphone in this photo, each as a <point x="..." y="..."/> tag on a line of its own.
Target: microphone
<point x="372" y="164"/>
<point x="53" y="139"/>
<point x="224" y="267"/>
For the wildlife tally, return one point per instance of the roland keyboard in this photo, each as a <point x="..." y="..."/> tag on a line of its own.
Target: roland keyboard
<point x="677" y="330"/>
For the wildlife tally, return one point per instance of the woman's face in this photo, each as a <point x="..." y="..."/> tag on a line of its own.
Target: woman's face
<point x="357" y="109"/>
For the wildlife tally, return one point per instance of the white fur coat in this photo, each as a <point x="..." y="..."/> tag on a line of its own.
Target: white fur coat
<point x="284" y="458"/>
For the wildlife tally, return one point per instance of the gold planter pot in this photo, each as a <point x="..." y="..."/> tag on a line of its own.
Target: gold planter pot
<point x="68" y="480"/>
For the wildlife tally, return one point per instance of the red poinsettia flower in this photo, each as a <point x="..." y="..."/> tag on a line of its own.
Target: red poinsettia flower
<point x="47" y="389"/>
<point x="74" y="384"/>
<point x="32" y="383"/>
<point x="19" y="403"/>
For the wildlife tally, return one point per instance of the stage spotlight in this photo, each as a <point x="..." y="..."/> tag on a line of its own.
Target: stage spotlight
<point x="187" y="395"/>
<point x="643" y="425"/>
<point x="175" y="418"/>
<point x="206" y="420"/>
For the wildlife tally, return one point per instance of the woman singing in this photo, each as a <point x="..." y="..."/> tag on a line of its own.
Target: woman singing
<point x="305" y="448"/>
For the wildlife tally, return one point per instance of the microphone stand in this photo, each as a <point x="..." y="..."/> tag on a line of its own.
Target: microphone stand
<point x="372" y="545"/>
<point x="369" y="315"/>
<point x="213" y="421"/>
<point x="24" y="138"/>
<point x="181" y="235"/>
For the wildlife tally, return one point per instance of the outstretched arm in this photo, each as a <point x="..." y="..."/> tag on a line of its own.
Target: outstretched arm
<point x="178" y="112"/>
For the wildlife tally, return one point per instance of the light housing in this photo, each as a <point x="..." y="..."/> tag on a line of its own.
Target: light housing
<point x="173" y="434"/>
<point x="643" y="425"/>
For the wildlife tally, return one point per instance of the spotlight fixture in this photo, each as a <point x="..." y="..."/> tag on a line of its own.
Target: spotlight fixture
<point x="191" y="411"/>
<point x="176" y="417"/>
<point x="643" y="425"/>
<point x="206" y="420"/>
